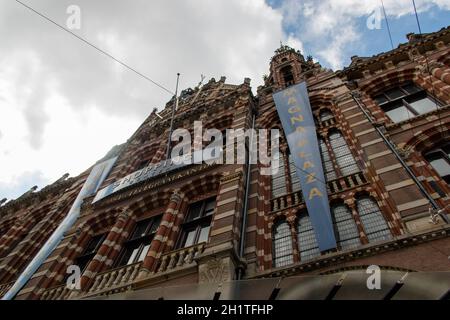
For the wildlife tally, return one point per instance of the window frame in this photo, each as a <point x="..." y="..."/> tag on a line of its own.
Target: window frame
<point x="139" y="242"/>
<point x="389" y="103"/>
<point x="196" y="224"/>
<point x="287" y="257"/>
<point x="86" y="255"/>
<point x="439" y="153"/>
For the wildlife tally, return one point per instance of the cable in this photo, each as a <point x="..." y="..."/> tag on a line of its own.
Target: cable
<point x="429" y="72"/>
<point x="95" y="47"/>
<point x="387" y="24"/>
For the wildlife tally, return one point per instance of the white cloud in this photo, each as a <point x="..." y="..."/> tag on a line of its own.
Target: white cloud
<point x="330" y="26"/>
<point x="64" y="104"/>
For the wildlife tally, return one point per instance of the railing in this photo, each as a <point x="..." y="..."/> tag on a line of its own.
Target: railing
<point x="334" y="186"/>
<point x="347" y="182"/>
<point x="179" y="258"/>
<point x="5" y="287"/>
<point x="61" y="292"/>
<point x="115" y="278"/>
<point x="286" y="201"/>
<point x="327" y="122"/>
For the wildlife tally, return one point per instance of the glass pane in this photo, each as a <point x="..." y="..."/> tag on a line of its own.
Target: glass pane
<point x="294" y="176"/>
<point x="190" y="238"/>
<point x="209" y="207"/>
<point x="380" y="99"/>
<point x="133" y="254"/>
<point x="195" y="210"/>
<point x="94" y="244"/>
<point x="372" y="219"/>
<point x="347" y="232"/>
<point x="140" y="229"/>
<point x="422" y="105"/>
<point x="278" y="177"/>
<point x="411" y="88"/>
<point x="394" y="93"/>
<point x="399" y="113"/>
<point x="144" y="252"/>
<point x="204" y="233"/>
<point x="155" y="225"/>
<point x="441" y="166"/>
<point x="307" y="241"/>
<point x="282" y="245"/>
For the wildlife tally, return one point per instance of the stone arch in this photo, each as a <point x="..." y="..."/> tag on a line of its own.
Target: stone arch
<point x="428" y="138"/>
<point x="388" y="80"/>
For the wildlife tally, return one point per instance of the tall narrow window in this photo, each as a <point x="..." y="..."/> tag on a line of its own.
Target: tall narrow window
<point x="288" y="76"/>
<point x="136" y="248"/>
<point x="282" y="245"/>
<point x="330" y="174"/>
<point x="295" y="181"/>
<point x="307" y="242"/>
<point x="346" y="231"/>
<point x="89" y="252"/>
<point x="196" y="227"/>
<point x="372" y="220"/>
<point x="439" y="158"/>
<point x="344" y="157"/>
<point x="404" y="102"/>
<point x="278" y="176"/>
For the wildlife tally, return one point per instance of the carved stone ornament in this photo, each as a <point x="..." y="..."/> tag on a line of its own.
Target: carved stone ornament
<point x="214" y="270"/>
<point x="405" y="152"/>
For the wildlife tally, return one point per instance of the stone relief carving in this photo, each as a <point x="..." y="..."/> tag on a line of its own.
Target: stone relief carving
<point x="214" y="270"/>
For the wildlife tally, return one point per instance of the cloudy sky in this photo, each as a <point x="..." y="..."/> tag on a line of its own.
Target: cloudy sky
<point x="64" y="105"/>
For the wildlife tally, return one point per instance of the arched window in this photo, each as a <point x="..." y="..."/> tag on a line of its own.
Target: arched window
<point x="372" y="220"/>
<point x="278" y="176"/>
<point x="439" y="158"/>
<point x="325" y="115"/>
<point x="295" y="181"/>
<point x="405" y="102"/>
<point x="307" y="242"/>
<point x="136" y="247"/>
<point x="287" y="74"/>
<point x="282" y="244"/>
<point x="330" y="174"/>
<point x="346" y="231"/>
<point x="344" y="157"/>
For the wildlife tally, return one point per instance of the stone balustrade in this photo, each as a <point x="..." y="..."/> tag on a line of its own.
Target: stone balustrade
<point x="179" y="258"/>
<point x="5" y="287"/>
<point x="115" y="278"/>
<point x="334" y="186"/>
<point x="61" y="292"/>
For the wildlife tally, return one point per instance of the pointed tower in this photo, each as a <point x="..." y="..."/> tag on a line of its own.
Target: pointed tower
<point x="288" y="66"/>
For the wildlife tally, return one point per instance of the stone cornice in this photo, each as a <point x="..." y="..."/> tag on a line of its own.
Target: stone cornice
<point x="40" y="195"/>
<point x="333" y="259"/>
<point x="402" y="48"/>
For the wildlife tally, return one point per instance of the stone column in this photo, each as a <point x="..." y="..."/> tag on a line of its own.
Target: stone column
<point x="161" y="235"/>
<point x="117" y="234"/>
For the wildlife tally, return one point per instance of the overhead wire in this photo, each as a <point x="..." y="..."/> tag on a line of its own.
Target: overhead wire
<point x="95" y="47"/>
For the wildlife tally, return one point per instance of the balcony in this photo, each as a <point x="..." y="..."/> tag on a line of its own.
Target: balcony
<point x="61" y="292"/>
<point x="286" y="201"/>
<point x="334" y="186"/>
<point x="178" y="259"/>
<point x="115" y="280"/>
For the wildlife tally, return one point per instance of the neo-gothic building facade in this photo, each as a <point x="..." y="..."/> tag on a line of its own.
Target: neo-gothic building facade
<point x="383" y="130"/>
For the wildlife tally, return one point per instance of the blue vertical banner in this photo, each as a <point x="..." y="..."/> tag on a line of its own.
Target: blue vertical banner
<point x="297" y="120"/>
<point x="97" y="175"/>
